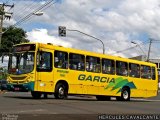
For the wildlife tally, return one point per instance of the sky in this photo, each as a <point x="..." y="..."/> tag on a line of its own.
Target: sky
<point x="116" y="22"/>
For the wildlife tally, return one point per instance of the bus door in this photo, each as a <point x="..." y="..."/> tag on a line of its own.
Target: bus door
<point x="44" y="76"/>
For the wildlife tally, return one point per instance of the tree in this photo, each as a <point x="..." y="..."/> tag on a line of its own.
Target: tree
<point x="3" y="73"/>
<point x="12" y="36"/>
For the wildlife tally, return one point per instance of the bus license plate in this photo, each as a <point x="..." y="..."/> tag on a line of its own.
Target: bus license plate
<point x="17" y="89"/>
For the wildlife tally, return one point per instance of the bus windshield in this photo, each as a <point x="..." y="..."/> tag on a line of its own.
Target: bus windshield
<point x="21" y="63"/>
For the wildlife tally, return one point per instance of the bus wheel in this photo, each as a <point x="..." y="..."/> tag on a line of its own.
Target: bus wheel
<point x="36" y="95"/>
<point x="60" y="91"/>
<point x="125" y="95"/>
<point x="103" y="98"/>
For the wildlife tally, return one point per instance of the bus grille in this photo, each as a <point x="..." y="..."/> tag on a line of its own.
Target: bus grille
<point x="18" y="78"/>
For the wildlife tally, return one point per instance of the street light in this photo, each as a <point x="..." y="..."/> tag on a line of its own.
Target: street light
<point x="139" y="47"/>
<point x="1" y="32"/>
<point x="38" y="13"/>
<point x="91" y="37"/>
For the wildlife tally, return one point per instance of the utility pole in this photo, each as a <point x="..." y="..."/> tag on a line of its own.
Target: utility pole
<point x="1" y="21"/>
<point x="149" y="50"/>
<point x="3" y="15"/>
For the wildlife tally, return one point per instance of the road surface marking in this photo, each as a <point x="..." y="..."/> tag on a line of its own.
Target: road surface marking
<point x="148" y="100"/>
<point x="37" y="110"/>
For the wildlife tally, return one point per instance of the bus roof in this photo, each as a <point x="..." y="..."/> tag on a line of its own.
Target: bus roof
<point x="73" y="50"/>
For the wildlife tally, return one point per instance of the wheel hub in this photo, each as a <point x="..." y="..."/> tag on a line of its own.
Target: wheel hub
<point x="125" y="95"/>
<point x="61" y="91"/>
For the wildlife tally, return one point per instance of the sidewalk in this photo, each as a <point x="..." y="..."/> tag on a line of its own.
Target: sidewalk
<point x="2" y="92"/>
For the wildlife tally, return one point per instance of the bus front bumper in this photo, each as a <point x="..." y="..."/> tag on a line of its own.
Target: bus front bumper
<point x="21" y="87"/>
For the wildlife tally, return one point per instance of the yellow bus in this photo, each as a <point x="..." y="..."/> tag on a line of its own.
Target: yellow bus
<point x="158" y="77"/>
<point x="50" y="69"/>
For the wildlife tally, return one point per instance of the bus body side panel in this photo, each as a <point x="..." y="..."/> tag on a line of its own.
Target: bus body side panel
<point x="140" y="90"/>
<point x="81" y="82"/>
<point x="145" y="88"/>
<point x="68" y="76"/>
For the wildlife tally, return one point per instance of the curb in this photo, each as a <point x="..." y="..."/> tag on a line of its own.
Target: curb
<point x="2" y="92"/>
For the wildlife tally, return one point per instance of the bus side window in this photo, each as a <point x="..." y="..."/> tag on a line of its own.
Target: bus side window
<point x="61" y="59"/>
<point x="108" y="66"/>
<point x="76" y="62"/>
<point x="121" y="68"/>
<point x="134" y="70"/>
<point x="93" y="64"/>
<point x="145" y="72"/>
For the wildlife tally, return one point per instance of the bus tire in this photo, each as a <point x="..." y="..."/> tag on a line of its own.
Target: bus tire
<point x="60" y="91"/>
<point x="103" y="98"/>
<point x="125" y="95"/>
<point x="36" y="95"/>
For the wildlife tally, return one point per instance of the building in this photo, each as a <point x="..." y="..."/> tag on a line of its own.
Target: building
<point x="141" y="58"/>
<point x="156" y="61"/>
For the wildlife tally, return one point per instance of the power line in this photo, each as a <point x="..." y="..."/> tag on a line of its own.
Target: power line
<point x="129" y="48"/>
<point x="31" y="14"/>
<point x="26" y="9"/>
<point x="48" y="6"/>
<point x="43" y="9"/>
<point x="139" y="47"/>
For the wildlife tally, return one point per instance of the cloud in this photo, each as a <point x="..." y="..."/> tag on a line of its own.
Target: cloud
<point x="115" y="22"/>
<point x="42" y="36"/>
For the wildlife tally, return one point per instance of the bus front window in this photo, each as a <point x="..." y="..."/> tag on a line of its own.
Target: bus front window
<point x="21" y="63"/>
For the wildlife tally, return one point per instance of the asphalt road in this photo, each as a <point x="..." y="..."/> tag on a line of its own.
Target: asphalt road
<point x="22" y="106"/>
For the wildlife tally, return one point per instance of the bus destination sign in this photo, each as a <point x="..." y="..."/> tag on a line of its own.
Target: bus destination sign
<point x="26" y="47"/>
